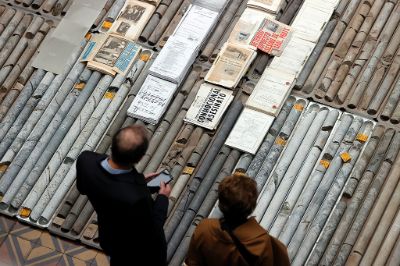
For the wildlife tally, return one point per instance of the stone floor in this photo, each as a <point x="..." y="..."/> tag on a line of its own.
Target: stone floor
<point x="21" y="244"/>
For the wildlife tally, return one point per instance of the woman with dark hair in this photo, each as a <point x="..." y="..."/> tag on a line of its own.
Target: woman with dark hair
<point x="235" y="239"/>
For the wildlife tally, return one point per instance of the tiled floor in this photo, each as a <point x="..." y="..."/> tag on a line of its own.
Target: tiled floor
<point x="23" y="245"/>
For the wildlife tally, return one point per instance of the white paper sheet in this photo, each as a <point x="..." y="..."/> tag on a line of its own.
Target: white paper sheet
<point x="175" y="59"/>
<point x="271" y="92"/>
<point x="152" y="100"/>
<point x="249" y="131"/>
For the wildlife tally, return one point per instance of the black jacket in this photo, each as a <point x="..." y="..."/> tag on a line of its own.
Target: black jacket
<point x="130" y="222"/>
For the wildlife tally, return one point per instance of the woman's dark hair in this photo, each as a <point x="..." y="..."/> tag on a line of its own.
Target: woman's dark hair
<point x="129" y="145"/>
<point x="237" y="196"/>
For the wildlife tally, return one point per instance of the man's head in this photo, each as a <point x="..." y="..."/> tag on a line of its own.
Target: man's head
<point x="237" y="196"/>
<point x="129" y="145"/>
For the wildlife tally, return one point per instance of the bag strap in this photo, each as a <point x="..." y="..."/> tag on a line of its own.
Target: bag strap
<point x="247" y="256"/>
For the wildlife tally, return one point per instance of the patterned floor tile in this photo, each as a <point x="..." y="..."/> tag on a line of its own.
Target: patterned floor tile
<point x="26" y="232"/>
<point x="101" y="260"/>
<point x="50" y="241"/>
<point x="71" y="261"/>
<point x="43" y="256"/>
<point x="15" y="250"/>
<point x="76" y="250"/>
<point x="6" y="224"/>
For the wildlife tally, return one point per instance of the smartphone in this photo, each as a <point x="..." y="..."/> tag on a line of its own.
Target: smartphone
<point x="164" y="176"/>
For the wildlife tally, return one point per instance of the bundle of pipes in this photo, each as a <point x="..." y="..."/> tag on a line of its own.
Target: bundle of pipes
<point x="356" y="63"/>
<point x="21" y="35"/>
<point x="53" y="7"/>
<point x="352" y="235"/>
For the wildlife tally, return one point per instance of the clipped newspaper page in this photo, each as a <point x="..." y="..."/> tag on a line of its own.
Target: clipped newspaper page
<point x="175" y="59"/>
<point x="311" y="21"/>
<point x="152" y="100"/>
<point x="110" y="54"/>
<point x="132" y="19"/>
<point x="209" y="106"/>
<point x="247" y="26"/>
<point x="293" y="59"/>
<point x="216" y="5"/>
<point x="249" y="131"/>
<point x="272" y="6"/>
<point x="272" y="37"/>
<point x="231" y="64"/>
<point x="196" y="24"/>
<point x="271" y="92"/>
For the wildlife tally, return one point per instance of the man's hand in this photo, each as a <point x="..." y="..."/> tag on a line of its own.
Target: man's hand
<point x="148" y="177"/>
<point x="165" y="189"/>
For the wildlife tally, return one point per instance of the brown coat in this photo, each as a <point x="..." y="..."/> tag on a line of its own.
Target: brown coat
<point x="210" y="245"/>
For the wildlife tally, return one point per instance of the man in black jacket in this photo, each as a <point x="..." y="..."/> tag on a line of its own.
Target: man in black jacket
<point x="130" y="222"/>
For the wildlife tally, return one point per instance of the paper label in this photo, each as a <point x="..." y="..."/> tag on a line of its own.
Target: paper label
<point x="325" y="163"/>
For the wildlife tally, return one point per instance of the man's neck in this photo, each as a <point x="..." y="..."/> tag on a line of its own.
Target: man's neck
<point x="114" y="165"/>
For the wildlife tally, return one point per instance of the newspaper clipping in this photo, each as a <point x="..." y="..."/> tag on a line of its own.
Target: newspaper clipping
<point x="272" y="6"/>
<point x="247" y="26"/>
<point x="152" y="100"/>
<point x="231" y="64"/>
<point x="272" y="37"/>
<point x="249" y="131"/>
<point x="132" y="19"/>
<point x="209" y="106"/>
<point x="110" y="54"/>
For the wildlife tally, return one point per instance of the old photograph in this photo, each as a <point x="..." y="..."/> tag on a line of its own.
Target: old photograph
<point x="110" y="51"/>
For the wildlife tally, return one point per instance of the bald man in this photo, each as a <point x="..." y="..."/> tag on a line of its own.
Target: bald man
<point x="130" y="222"/>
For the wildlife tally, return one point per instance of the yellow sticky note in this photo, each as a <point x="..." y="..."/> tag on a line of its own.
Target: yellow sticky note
<point x="345" y="157"/>
<point x="88" y="36"/>
<point x="362" y="137"/>
<point x="280" y="141"/>
<point x="3" y="168"/>
<point x="24" y="212"/>
<point x="80" y="86"/>
<point x="107" y="25"/>
<point x="145" y="57"/>
<point x="325" y="163"/>
<point x="298" y="107"/>
<point x="109" y="95"/>
<point x="188" y="170"/>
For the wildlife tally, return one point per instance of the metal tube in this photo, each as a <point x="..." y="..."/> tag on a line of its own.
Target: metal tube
<point x="36" y="105"/>
<point x="137" y="81"/>
<point x="262" y="152"/>
<point x="202" y="211"/>
<point x="309" y="126"/>
<point x="197" y="190"/>
<point x="366" y="206"/>
<point x="8" y="115"/>
<point x="390" y="245"/>
<point x="361" y="246"/>
<point x="165" y="20"/>
<point x="317" y="214"/>
<point x="364" y="171"/>
<point x="232" y="114"/>
<point x="220" y="30"/>
<point x="314" y="180"/>
<point x="59" y="186"/>
<point x="304" y="174"/>
<point x="54" y="134"/>
<point x="276" y="149"/>
<point x="296" y="167"/>
<point x="37" y="140"/>
<point x="62" y="142"/>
